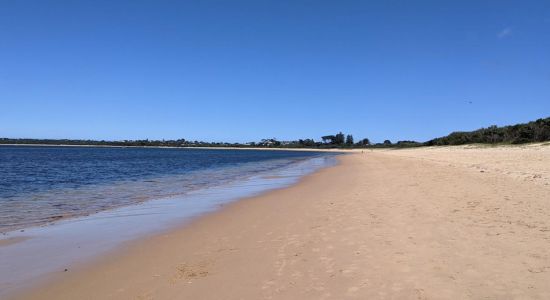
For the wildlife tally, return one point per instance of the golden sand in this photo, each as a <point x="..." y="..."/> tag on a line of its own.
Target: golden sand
<point x="427" y="223"/>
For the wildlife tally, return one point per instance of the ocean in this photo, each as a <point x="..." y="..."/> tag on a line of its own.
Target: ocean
<point x="62" y="206"/>
<point x="40" y="185"/>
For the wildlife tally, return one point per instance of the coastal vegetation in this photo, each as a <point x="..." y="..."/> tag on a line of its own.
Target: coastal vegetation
<point x="535" y="131"/>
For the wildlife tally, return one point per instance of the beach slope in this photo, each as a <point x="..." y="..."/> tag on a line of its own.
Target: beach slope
<point x="412" y="224"/>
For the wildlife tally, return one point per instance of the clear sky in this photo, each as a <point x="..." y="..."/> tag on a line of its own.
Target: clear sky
<point x="246" y="70"/>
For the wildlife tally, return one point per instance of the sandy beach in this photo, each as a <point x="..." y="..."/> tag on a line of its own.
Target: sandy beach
<point x="428" y="223"/>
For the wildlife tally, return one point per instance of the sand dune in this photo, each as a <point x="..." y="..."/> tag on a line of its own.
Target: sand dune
<point x="429" y="223"/>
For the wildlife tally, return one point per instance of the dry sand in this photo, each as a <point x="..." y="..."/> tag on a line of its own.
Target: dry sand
<point x="429" y="223"/>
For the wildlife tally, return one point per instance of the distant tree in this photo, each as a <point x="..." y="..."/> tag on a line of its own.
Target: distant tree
<point x="307" y="142"/>
<point x="328" y="138"/>
<point x="339" y="138"/>
<point x="525" y="135"/>
<point x="536" y="131"/>
<point x="349" y="139"/>
<point x="387" y="142"/>
<point x="408" y="144"/>
<point x="364" y="142"/>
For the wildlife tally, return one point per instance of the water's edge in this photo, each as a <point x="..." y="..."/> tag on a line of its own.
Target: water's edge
<point x="32" y="254"/>
<point x="41" y="185"/>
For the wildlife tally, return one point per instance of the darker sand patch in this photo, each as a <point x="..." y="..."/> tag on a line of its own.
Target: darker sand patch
<point x="13" y="240"/>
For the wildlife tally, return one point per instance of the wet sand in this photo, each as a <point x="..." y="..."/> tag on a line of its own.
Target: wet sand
<point x="443" y="223"/>
<point x="11" y="241"/>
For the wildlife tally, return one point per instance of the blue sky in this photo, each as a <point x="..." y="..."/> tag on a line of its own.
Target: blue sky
<point x="246" y="70"/>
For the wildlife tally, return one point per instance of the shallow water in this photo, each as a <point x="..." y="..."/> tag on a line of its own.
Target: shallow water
<point x="39" y="185"/>
<point x="28" y="255"/>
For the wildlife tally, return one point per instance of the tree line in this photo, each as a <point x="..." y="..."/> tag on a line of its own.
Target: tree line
<point x="535" y="131"/>
<point x="338" y="140"/>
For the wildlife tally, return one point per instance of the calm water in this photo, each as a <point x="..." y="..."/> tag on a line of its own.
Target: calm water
<point x="39" y="185"/>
